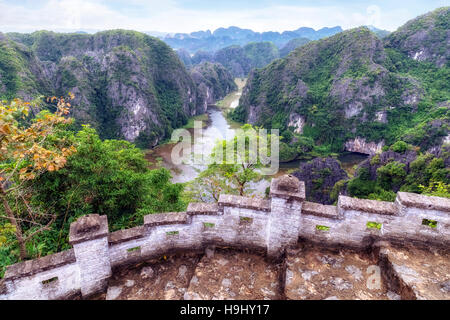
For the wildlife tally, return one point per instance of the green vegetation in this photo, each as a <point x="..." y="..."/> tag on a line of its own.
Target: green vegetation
<point x="425" y="174"/>
<point x="141" y="80"/>
<point x="322" y="228"/>
<point x="204" y="118"/>
<point x="429" y="223"/>
<point x="400" y="147"/>
<point x="230" y="175"/>
<point x="109" y="177"/>
<point x="374" y="225"/>
<point x="216" y="78"/>
<point x="9" y="69"/>
<point x="320" y="79"/>
<point x="240" y="60"/>
<point x="208" y="225"/>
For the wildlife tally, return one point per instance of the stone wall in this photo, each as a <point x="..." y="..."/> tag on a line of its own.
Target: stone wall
<point x="271" y="225"/>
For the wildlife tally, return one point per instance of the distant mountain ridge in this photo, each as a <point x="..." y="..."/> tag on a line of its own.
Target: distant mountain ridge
<point x="225" y="37"/>
<point x="239" y="61"/>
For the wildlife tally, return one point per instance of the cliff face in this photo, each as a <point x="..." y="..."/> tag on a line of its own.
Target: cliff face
<point x="127" y="84"/>
<point x="425" y="38"/>
<point x="346" y="71"/>
<point x="362" y="146"/>
<point x="354" y="88"/>
<point x="213" y="81"/>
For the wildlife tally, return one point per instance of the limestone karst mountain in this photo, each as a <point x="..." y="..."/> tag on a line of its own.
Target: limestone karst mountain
<point x="239" y="61"/>
<point x="425" y="38"/>
<point x="292" y="45"/>
<point x="225" y="37"/>
<point x="126" y="84"/>
<point x="213" y="82"/>
<point x="358" y="88"/>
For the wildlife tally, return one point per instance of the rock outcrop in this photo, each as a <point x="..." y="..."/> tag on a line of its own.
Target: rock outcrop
<point x="320" y="175"/>
<point x="425" y="38"/>
<point x="360" y="145"/>
<point x="236" y="59"/>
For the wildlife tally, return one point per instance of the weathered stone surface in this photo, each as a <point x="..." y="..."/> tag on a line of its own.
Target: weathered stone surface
<point x="423" y="202"/>
<point x="417" y="273"/>
<point x="231" y="275"/>
<point x="370" y="206"/>
<point x="317" y="209"/>
<point x="166" y="278"/>
<point x="89" y="227"/>
<point x="147" y="272"/>
<point x="202" y="208"/>
<point x="30" y="267"/>
<point x="288" y="187"/>
<point x="266" y="225"/>
<point x="314" y="273"/>
<point x="360" y="145"/>
<point x="126" y="235"/>
<point x="113" y="293"/>
<point x="243" y="202"/>
<point x="288" y="183"/>
<point x="161" y="219"/>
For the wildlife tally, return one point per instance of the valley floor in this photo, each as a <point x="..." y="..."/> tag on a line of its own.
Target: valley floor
<point x="307" y="272"/>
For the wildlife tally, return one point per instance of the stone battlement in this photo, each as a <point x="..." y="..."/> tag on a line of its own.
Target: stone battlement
<point x="270" y="225"/>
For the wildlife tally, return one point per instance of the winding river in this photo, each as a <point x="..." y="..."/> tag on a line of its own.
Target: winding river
<point x="218" y="128"/>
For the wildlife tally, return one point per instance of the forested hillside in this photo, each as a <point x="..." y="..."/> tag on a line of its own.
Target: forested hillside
<point x="358" y="88"/>
<point x="126" y="84"/>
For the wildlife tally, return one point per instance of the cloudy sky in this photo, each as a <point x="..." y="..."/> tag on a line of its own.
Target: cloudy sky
<point x="193" y="15"/>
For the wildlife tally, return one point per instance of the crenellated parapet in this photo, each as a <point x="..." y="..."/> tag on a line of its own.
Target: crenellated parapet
<point x="270" y="225"/>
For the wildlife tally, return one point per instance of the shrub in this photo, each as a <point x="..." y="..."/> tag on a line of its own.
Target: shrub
<point x="400" y="147"/>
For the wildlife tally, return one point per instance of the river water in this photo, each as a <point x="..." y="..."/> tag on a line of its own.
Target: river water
<point x="219" y="129"/>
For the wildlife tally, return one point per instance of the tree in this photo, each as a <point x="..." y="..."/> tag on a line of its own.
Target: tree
<point x="234" y="172"/>
<point x="391" y="176"/>
<point x="208" y="186"/>
<point x="29" y="149"/>
<point x="109" y="177"/>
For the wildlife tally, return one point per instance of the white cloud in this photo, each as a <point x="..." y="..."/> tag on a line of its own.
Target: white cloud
<point x="166" y="16"/>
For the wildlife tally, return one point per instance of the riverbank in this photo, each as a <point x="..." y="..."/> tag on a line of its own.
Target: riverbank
<point x="217" y="126"/>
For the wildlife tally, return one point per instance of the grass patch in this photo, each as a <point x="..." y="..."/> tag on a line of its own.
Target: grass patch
<point x="374" y="225"/>
<point x="429" y="223"/>
<point x="50" y="280"/>
<point x="133" y="249"/>
<point x="204" y="118"/>
<point x="245" y="220"/>
<point x="208" y="225"/>
<point x="172" y="233"/>
<point x="322" y="228"/>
